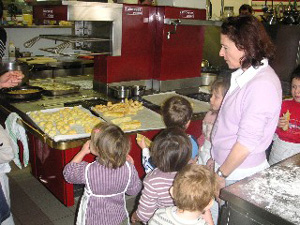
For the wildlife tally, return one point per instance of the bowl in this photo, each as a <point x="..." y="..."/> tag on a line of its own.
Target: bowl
<point x="121" y="92"/>
<point x="138" y="90"/>
<point x="208" y="78"/>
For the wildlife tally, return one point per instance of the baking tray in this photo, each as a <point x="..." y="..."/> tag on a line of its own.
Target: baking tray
<point x="159" y="99"/>
<point x="46" y="85"/>
<point x="63" y="137"/>
<point x="149" y="119"/>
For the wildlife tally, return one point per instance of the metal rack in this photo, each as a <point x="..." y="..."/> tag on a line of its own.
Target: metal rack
<point x="68" y="41"/>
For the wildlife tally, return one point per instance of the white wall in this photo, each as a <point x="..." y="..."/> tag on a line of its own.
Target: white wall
<point x="20" y="35"/>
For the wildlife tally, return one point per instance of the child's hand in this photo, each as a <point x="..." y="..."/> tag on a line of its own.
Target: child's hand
<point x="129" y="159"/>
<point x="82" y="153"/>
<point x="142" y="143"/>
<point x="282" y="122"/>
<point x="211" y="164"/>
<point x="135" y="218"/>
<point x="86" y="147"/>
<point x="193" y="160"/>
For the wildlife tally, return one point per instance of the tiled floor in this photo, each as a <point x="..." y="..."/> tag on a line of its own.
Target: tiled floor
<point x="33" y="204"/>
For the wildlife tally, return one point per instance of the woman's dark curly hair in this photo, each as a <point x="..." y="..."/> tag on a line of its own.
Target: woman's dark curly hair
<point x="249" y="35"/>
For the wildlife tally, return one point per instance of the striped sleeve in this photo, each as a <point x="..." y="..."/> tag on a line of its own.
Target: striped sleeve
<point x="154" y="195"/>
<point x="135" y="183"/>
<point x="3" y="39"/>
<point x="74" y="172"/>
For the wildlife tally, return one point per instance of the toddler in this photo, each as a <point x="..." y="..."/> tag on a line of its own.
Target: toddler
<point x="218" y="88"/>
<point x="193" y="193"/>
<point x="170" y="152"/>
<point x="287" y="138"/>
<point x="176" y="112"/>
<point x="107" y="179"/>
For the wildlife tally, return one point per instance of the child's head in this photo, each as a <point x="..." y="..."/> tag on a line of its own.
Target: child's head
<point x="194" y="188"/>
<point x="177" y="111"/>
<point x="218" y="89"/>
<point x="171" y="149"/>
<point x="295" y="87"/>
<point x="110" y="143"/>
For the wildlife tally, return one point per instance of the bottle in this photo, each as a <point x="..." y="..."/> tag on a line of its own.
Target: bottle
<point x="11" y="50"/>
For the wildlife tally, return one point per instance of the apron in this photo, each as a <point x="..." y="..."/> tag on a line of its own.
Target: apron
<point x="81" y="218"/>
<point x="282" y="150"/>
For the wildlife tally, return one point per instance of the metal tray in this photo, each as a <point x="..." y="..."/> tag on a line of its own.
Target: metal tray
<point x="71" y="88"/>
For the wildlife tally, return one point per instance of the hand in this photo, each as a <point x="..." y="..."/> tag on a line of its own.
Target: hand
<point x="82" y="153"/>
<point x="193" y="160"/>
<point x="86" y="148"/>
<point x="211" y="164"/>
<point x="221" y="184"/>
<point x="11" y="79"/>
<point x="129" y="159"/>
<point x="282" y="122"/>
<point x="142" y="143"/>
<point x="135" y="218"/>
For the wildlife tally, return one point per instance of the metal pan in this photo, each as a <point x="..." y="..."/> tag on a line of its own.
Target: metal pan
<point x="23" y="92"/>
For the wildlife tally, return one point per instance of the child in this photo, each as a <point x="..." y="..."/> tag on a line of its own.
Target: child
<point x="218" y="88"/>
<point x="171" y="151"/>
<point x="107" y="179"/>
<point x="193" y="193"/>
<point x="176" y="112"/>
<point x="287" y="138"/>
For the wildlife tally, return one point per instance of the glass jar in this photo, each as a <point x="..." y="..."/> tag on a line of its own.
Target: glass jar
<point x="228" y="11"/>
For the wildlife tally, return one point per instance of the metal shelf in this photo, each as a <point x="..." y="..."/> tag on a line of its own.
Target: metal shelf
<point x="67" y="40"/>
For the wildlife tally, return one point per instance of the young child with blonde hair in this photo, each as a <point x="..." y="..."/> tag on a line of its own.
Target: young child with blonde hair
<point x="218" y="89"/>
<point x="107" y="179"/>
<point x="193" y="192"/>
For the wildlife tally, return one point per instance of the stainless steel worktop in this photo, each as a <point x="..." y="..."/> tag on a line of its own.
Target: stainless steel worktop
<point x="269" y="197"/>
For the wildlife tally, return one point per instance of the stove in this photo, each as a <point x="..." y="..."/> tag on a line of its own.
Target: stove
<point x="205" y="97"/>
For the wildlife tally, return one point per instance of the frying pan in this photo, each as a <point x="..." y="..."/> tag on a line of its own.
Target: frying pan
<point x="25" y="96"/>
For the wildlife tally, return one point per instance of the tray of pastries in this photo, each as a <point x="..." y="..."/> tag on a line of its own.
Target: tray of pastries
<point x="54" y="88"/>
<point x="129" y="115"/>
<point x="65" y="123"/>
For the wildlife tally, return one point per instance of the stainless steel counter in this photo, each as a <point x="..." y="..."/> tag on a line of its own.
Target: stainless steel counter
<point x="269" y="197"/>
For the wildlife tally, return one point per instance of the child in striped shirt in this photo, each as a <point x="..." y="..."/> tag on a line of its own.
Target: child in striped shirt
<point x="193" y="192"/>
<point x="107" y="179"/>
<point x="171" y="151"/>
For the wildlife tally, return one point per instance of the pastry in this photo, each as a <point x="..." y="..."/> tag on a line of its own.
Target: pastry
<point x="139" y="138"/>
<point x="114" y="114"/>
<point x="287" y="116"/>
<point x="131" y="125"/>
<point x="121" y="120"/>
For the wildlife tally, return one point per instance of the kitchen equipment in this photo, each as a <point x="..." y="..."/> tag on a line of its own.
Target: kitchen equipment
<point x="23" y="93"/>
<point x="120" y="92"/>
<point x="267" y="197"/>
<point x="208" y="78"/>
<point x="138" y="90"/>
<point x="205" y="63"/>
<point x="141" y="46"/>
